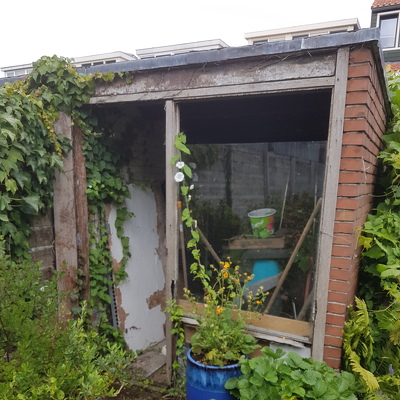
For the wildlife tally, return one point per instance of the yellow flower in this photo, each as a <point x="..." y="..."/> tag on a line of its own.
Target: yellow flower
<point x="258" y="302"/>
<point x="219" y="310"/>
<point x="226" y="265"/>
<point x="225" y="275"/>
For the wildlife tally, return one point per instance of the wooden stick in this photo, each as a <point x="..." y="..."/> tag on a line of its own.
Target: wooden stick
<point x="208" y="246"/>
<point x="284" y="203"/>
<point x="182" y="245"/>
<point x="293" y="256"/>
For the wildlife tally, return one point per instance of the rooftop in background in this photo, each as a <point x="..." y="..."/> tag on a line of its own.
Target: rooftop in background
<point x="85" y="61"/>
<point x="302" y="31"/>
<point x="385" y="3"/>
<point x="171" y="50"/>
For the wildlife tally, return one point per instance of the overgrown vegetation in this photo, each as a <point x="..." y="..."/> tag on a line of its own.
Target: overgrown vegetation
<point x="372" y="335"/>
<point x="276" y="375"/>
<point x="30" y="152"/>
<point x="43" y="358"/>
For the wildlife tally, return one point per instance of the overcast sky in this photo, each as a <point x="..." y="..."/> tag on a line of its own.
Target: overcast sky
<point x="30" y="29"/>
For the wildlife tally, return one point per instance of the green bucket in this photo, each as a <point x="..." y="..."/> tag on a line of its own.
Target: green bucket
<point x="262" y="222"/>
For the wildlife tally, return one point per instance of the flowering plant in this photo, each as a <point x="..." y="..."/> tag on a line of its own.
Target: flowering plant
<point x="221" y="337"/>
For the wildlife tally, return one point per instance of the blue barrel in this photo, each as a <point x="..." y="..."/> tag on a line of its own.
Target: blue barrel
<point x="205" y="382"/>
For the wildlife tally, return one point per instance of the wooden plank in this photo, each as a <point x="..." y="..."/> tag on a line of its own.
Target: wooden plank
<point x="218" y="91"/>
<point x="266" y="324"/>
<point x="329" y="200"/>
<point x="66" y="246"/>
<point x="247" y="243"/>
<point x="224" y="74"/>
<point x="82" y="218"/>
<point x="171" y="130"/>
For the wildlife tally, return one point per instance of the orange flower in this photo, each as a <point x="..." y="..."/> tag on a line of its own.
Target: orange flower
<point x="225" y="275"/>
<point x="219" y="310"/>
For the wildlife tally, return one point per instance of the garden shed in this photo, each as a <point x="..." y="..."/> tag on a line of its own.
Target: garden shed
<point x="274" y="125"/>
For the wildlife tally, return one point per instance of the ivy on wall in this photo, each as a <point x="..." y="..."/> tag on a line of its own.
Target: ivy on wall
<point x="30" y="151"/>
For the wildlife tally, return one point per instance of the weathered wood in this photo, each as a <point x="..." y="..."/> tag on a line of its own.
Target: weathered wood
<point x="329" y="203"/>
<point x="65" y="223"/>
<point x="247" y="243"/>
<point x="218" y="91"/>
<point x="266" y="324"/>
<point x="172" y="129"/>
<point x="213" y="75"/>
<point x="82" y="220"/>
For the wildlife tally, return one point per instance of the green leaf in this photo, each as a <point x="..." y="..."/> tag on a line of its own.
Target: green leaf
<point x="34" y="202"/>
<point x="11" y="185"/>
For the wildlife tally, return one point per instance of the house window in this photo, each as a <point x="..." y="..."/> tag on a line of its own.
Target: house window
<point x="388" y="26"/>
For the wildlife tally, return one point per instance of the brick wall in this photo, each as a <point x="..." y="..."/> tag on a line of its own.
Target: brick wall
<point x="364" y="125"/>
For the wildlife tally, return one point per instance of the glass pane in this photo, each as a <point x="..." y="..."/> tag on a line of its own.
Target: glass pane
<point x="388" y="27"/>
<point x="252" y="202"/>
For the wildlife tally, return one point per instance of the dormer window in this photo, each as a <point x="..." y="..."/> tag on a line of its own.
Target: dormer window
<point x="388" y="24"/>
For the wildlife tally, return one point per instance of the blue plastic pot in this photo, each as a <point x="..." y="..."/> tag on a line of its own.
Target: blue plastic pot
<point x="205" y="382"/>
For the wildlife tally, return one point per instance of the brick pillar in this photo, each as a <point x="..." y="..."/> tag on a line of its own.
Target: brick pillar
<point x="365" y="121"/>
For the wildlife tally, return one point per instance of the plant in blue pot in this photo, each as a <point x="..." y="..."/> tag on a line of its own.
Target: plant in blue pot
<point x="221" y="339"/>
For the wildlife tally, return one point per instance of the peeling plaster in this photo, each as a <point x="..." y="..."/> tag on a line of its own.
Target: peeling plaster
<point x="140" y="297"/>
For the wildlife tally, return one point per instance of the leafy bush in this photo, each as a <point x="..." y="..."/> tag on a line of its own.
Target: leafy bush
<point x="44" y="357"/>
<point x="274" y="377"/>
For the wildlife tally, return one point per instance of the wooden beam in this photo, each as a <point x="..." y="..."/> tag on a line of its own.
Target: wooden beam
<point x="219" y="91"/>
<point x="334" y="150"/>
<point x="266" y="324"/>
<point x="82" y="218"/>
<point x="66" y="246"/>
<point x="172" y="231"/>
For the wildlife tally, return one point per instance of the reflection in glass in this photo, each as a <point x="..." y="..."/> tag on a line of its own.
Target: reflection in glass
<point x="388" y="26"/>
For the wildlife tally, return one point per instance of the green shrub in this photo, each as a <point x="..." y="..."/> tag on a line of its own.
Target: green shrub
<point x="274" y="377"/>
<point x="43" y="357"/>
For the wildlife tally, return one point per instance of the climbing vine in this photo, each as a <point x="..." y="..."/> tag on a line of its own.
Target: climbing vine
<point x="30" y="151"/>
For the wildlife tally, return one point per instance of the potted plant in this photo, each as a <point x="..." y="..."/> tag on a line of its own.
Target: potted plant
<point x="221" y="339"/>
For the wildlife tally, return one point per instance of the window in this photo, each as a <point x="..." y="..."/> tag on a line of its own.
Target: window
<point x="389" y="35"/>
<point x="251" y="157"/>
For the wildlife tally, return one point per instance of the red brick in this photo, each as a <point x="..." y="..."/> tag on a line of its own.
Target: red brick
<point x="358" y="85"/>
<point x="344" y="215"/>
<point x="339" y="286"/>
<point x="341" y="263"/>
<point x="333" y="341"/>
<point x="356" y="111"/>
<point x="353" y="139"/>
<point x="352" y="164"/>
<point x="343" y="239"/>
<point x="337" y="308"/>
<point x="344" y="227"/>
<point x="355" y="177"/>
<point x="340" y="274"/>
<point x="358" y="98"/>
<point x="333" y="362"/>
<point x="333" y="330"/>
<point x="338" y="298"/>
<point x="335" y="319"/>
<point x="354" y="190"/>
<point x="332" y="352"/>
<point x="355" y="125"/>
<point x="360" y="70"/>
<point x="352" y="152"/>
<point x="360" y="56"/>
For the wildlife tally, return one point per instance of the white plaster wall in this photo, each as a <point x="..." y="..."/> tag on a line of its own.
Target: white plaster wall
<point x="143" y="325"/>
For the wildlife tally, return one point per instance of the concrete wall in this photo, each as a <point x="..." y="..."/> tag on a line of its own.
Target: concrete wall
<point x="365" y="121"/>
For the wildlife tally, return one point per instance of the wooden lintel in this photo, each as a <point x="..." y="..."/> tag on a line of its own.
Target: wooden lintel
<point x="238" y="90"/>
